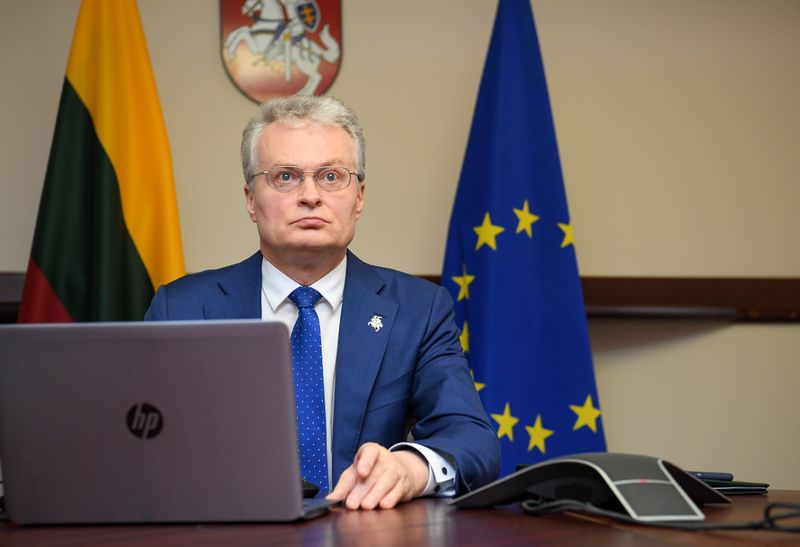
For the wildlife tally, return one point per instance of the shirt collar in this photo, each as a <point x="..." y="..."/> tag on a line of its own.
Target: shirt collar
<point x="277" y="285"/>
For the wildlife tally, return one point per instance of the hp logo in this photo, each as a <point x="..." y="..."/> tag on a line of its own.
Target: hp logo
<point x="145" y="421"/>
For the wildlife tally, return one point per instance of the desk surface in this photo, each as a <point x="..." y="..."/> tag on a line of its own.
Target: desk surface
<point x="421" y="523"/>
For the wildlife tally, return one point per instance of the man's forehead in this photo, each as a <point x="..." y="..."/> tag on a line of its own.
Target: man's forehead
<point x="302" y="141"/>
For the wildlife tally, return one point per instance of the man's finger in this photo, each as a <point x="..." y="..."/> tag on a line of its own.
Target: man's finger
<point x="354" y="497"/>
<point x="363" y="487"/>
<point x="394" y="496"/>
<point x="347" y="481"/>
<point x="385" y="483"/>
<point x="366" y="457"/>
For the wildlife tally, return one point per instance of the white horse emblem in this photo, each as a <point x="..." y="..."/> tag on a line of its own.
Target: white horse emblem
<point x="376" y="322"/>
<point x="277" y="46"/>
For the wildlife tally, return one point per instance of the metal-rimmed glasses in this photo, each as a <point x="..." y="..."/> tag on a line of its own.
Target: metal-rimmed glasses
<point x="285" y="178"/>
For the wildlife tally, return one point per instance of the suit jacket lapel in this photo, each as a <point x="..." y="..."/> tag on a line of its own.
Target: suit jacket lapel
<point x="240" y="292"/>
<point x="360" y="352"/>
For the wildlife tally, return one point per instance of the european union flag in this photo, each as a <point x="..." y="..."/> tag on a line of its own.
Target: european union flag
<point x="510" y="262"/>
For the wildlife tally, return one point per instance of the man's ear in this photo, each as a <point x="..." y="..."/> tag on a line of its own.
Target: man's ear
<point x="360" y="199"/>
<point x="249" y="202"/>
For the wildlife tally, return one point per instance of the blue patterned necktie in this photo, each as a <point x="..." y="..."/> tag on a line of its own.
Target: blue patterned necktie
<point x="309" y="388"/>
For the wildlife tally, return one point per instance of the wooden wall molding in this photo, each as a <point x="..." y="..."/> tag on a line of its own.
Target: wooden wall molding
<point x="740" y="299"/>
<point x="10" y="294"/>
<point x="726" y="298"/>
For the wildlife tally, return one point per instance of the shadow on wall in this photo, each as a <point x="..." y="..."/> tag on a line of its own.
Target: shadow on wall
<point x="609" y="336"/>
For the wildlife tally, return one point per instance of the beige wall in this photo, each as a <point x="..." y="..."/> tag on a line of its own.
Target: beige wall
<point x="679" y="131"/>
<point x="703" y="395"/>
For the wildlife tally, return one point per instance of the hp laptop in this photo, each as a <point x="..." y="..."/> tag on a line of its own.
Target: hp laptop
<point x="149" y="422"/>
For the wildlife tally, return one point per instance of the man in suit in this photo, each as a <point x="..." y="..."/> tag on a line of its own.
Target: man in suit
<point x="390" y="352"/>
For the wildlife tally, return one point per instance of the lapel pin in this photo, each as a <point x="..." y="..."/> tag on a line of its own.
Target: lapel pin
<point x="376" y="322"/>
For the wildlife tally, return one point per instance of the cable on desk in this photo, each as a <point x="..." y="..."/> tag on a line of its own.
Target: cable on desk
<point x="772" y="520"/>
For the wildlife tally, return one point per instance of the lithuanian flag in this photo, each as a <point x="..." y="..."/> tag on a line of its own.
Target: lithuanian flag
<point x="107" y="232"/>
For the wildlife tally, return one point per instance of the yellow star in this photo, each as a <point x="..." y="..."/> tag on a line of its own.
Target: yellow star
<point x="463" y="282"/>
<point x="506" y="422"/>
<point x="569" y="239"/>
<point x="538" y="434"/>
<point x="464" y="338"/>
<point x="478" y="386"/>
<point x="587" y="414"/>
<point x="526" y="219"/>
<point x="487" y="232"/>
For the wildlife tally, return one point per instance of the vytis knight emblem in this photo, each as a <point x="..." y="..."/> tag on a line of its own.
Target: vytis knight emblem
<point x="376" y="322"/>
<point x="281" y="47"/>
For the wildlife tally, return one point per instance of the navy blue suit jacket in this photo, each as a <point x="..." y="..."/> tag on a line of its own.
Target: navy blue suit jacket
<point x="410" y="373"/>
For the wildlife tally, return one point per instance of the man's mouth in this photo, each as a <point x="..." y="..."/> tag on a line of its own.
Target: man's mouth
<point x="310" y="222"/>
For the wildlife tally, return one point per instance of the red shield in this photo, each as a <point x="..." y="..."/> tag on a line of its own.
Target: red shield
<point x="281" y="47"/>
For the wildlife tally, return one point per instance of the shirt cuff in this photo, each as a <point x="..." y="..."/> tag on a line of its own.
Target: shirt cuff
<point x="441" y="474"/>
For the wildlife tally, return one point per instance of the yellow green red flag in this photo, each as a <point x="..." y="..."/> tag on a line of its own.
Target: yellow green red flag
<point x="107" y="233"/>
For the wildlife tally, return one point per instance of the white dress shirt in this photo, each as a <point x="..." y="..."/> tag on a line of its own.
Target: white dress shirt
<point x="276" y="306"/>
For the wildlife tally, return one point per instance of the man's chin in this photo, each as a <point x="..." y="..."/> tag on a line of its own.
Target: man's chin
<point x="310" y="246"/>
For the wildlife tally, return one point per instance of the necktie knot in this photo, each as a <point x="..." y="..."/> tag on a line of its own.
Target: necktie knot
<point x="304" y="297"/>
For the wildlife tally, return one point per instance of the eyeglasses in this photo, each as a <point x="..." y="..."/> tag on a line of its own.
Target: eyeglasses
<point x="285" y="178"/>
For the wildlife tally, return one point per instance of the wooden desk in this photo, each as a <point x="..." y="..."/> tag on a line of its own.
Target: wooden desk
<point x="418" y="524"/>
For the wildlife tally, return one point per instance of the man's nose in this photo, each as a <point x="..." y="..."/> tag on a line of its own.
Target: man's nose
<point x="309" y="193"/>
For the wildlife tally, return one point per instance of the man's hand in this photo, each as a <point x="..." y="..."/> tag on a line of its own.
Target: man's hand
<point x="379" y="478"/>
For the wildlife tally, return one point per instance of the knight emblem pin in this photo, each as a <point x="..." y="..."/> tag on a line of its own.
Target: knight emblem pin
<point x="376" y="322"/>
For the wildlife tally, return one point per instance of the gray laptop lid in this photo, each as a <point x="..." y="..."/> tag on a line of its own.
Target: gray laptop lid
<point x="148" y="422"/>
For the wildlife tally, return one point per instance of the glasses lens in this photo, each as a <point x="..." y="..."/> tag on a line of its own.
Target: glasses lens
<point x="284" y="178"/>
<point x="332" y="177"/>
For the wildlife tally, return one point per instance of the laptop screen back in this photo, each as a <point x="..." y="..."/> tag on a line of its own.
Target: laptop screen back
<point x="148" y="422"/>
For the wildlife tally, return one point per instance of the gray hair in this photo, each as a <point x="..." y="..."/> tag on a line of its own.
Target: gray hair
<point x="294" y="109"/>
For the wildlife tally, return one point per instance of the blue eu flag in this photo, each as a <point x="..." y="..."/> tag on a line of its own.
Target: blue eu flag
<point x="510" y="262"/>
